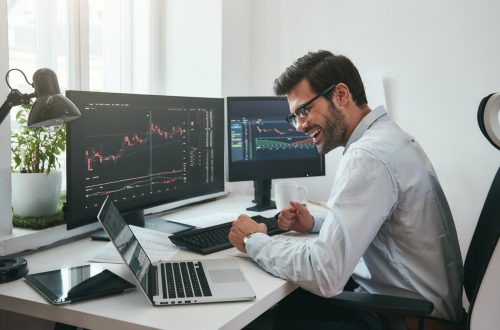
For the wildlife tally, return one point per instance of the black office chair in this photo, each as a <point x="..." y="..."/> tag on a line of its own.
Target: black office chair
<point x="482" y="246"/>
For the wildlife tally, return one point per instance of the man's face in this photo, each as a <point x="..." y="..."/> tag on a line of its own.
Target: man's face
<point x="325" y="124"/>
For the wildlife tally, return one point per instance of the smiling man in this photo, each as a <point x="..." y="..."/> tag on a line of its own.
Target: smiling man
<point x="388" y="227"/>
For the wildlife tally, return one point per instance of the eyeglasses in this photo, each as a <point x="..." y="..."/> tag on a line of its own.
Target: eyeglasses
<point x="303" y="110"/>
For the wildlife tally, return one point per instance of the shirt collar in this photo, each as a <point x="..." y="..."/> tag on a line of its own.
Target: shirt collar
<point x="365" y="124"/>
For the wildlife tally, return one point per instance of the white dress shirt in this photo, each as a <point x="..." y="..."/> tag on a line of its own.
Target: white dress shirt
<point x="388" y="225"/>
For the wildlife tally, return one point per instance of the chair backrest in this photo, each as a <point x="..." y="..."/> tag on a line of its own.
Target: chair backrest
<point x="483" y="242"/>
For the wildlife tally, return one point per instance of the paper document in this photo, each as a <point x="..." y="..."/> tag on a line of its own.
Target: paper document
<point x="156" y="244"/>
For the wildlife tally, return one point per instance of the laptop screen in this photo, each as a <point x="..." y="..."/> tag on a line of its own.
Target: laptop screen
<point x="120" y="233"/>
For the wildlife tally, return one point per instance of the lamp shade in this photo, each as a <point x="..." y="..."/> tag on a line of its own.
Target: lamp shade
<point x="50" y="107"/>
<point x="51" y="110"/>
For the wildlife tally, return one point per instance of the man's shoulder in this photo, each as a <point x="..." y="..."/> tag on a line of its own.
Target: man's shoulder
<point x="383" y="140"/>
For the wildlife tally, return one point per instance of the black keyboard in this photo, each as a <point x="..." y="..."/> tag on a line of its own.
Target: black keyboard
<point x="184" y="279"/>
<point x="214" y="238"/>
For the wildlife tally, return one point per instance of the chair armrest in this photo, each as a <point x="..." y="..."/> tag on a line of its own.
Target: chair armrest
<point x="383" y="304"/>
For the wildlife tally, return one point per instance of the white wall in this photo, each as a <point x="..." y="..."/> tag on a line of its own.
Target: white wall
<point x="193" y="30"/>
<point x="236" y="52"/>
<point x="5" y="187"/>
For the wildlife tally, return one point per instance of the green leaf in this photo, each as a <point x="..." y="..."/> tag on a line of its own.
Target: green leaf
<point x="36" y="149"/>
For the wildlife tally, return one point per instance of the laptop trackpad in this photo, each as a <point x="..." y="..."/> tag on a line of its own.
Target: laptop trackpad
<point x="226" y="276"/>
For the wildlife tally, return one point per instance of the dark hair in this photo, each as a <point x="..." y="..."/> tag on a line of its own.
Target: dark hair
<point x="322" y="69"/>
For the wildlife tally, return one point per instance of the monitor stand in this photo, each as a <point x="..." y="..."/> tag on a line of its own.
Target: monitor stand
<point x="262" y="196"/>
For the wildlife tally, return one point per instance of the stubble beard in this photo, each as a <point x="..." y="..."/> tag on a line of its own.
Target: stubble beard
<point x="334" y="130"/>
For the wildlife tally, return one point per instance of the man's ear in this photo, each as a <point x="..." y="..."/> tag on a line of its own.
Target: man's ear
<point x="342" y="94"/>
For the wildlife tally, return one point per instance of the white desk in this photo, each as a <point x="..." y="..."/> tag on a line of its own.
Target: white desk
<point x="132" y="310"/>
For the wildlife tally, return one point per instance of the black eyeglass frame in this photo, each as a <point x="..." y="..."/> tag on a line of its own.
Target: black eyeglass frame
<point x="303" y="110"/>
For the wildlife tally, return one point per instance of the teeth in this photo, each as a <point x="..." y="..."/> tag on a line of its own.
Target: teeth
<point x="314" y="133"/>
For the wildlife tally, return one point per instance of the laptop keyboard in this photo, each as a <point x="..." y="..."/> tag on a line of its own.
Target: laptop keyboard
<point x="184" y="280"/>
<point x="214" y="238"/>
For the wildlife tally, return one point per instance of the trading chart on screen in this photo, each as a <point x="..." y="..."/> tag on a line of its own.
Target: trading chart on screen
<point x="268" y="138"/>
<point x="131" y="152"/>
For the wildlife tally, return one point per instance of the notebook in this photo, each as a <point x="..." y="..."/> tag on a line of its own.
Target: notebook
<point x="174" y="282"/>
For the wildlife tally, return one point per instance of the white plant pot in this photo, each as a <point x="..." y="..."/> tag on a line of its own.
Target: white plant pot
<point x="36" y="194"/>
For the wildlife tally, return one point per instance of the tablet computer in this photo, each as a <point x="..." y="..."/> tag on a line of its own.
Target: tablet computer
<point x="66" y="285"/>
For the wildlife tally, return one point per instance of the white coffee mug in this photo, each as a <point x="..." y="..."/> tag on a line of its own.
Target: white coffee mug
<point x="288" y="191"/>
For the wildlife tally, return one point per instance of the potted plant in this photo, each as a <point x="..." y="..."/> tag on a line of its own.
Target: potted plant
<point x="36" y="184"/>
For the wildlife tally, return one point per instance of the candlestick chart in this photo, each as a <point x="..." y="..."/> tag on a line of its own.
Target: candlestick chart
<point x="149" y="153"/>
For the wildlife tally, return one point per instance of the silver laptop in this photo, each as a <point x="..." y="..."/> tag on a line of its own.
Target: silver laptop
<point x="174" y="282"/>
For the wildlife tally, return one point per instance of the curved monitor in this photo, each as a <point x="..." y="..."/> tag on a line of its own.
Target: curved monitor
<point x="263" y="146"/>
<point x="143" y="150"/>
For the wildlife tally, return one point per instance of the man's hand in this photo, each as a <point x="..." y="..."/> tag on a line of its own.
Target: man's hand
<point x="296" y="217"/>
<point x="241" y="227"/>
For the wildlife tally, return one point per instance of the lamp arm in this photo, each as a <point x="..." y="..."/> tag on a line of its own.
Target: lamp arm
<point x="14" y="98"/>
<point x="7" y="77"/>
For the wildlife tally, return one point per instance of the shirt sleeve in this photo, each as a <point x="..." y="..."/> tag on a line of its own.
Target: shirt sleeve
<point x="363" y="197"/>
<point x="318" y="222"/>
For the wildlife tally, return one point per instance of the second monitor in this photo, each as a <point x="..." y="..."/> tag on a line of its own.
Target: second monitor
<point x="262" y="146"/>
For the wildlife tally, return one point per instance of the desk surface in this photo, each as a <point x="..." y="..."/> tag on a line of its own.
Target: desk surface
<point x="132" y="310"/>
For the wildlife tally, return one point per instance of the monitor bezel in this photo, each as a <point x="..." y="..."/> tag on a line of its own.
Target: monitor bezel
<point x="218" y="186"/>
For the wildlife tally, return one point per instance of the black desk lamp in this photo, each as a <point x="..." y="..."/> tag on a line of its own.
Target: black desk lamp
<point x="50" y="108"/>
